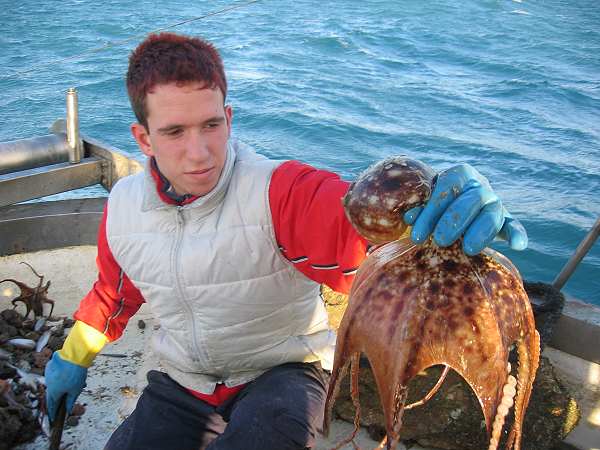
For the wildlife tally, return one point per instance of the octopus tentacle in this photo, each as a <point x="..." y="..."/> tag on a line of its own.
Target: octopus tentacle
<point x="382" y="443"/>
<point x="41" y="277"/>
<point x="354" y="368"/>
<point x="433" y="390"/>
<point x="528" y="353"/>
<point x="534" y="358"/>
<point x="18" y="283"/>
<point x="508" y="394"/>
<point x="400" y="395"/>
<point x="26" y="294"/>
<point x="523" y="371"/>
<point x="335" y="382"/>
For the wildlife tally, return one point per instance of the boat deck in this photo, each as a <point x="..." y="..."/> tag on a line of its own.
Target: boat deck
<point x="115" y="381"/>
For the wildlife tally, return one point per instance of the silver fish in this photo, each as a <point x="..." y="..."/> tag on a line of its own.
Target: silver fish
<point x="56" y="323"/>
<point x="22" y="343"/>
<point x="39" y="324"/>
<point x="4" y="355"/>
<point x="44" y="424"/>
<point x="42" y="341"/>
<point x="31" y="379"/>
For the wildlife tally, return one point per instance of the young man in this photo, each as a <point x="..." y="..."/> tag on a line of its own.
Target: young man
<point x="229" y="249"/>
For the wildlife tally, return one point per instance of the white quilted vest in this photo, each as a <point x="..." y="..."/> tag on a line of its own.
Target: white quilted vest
<point x="230" y="306"/>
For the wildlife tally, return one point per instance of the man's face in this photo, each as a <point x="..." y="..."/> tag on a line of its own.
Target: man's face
<point x="188" y="129"/>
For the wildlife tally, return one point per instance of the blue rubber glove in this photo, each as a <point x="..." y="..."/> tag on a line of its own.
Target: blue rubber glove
<point x="464" y="204"/>
<point x="62" y="378"/>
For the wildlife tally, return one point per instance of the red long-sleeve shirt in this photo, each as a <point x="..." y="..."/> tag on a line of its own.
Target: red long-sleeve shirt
<point x="311" y="229"/>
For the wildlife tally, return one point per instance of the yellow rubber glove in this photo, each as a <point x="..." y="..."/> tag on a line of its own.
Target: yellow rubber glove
<point x="82" y="344"/>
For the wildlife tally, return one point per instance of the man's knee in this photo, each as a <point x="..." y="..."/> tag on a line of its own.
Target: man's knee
<point x="293" y="430"/>
<point x="276" y="428"/>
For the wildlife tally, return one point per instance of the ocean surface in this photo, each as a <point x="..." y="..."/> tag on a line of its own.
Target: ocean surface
<point x="511" y="87"/>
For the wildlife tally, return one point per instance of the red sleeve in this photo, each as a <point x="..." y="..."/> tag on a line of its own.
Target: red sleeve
<point x="113" y="299"/>
<point x="311" y="227"/>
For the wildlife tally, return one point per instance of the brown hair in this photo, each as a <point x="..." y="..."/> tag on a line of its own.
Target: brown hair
<point x="171" y="58"/>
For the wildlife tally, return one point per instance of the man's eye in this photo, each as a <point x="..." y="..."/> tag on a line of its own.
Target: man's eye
<point x="212" y="125"/>
<point x="174" y="132"/>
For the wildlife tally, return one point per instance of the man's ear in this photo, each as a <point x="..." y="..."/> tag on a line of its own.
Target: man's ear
<point x="142" y="137"/>
<point x="229" y="118"/>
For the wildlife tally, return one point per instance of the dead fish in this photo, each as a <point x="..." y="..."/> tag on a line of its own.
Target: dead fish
<point x="31" y="379"/>
<point x="4" y="355"/>
<point x="22" y="343"/>
<point x="39" y="324"/>
<point x="44" y="424"/>
<point x="56" y="323"/>
<point x="42" y="341"/>
<point x="57" y="327"/>
<point x="24" y="365"/>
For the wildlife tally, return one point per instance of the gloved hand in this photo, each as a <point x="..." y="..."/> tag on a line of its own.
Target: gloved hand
<point x="464" y="204"/>
<point x="62" y="378"/>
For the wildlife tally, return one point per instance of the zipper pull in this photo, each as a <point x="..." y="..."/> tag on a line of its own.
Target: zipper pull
<point x="180" y="215"/>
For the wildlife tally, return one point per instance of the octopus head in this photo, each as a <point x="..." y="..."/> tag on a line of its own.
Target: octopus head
<point x="376" y="202"/>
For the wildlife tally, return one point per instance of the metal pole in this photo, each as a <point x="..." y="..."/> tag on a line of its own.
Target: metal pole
<point x="579" y="254"/>
<point x="75" y="144"/>
<point x="39" y="151"/>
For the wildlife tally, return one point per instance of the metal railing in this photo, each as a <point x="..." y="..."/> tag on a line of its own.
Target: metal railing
<point x="59" y="162"/>
<point x="584" y="246"/>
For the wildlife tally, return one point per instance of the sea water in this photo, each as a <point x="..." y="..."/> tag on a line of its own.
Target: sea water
<point x="510" y="87"/>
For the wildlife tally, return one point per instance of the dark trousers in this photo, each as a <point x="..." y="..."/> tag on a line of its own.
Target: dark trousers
<point x="280" y="410"/>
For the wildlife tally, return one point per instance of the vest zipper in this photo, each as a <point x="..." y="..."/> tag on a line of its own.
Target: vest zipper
<point x="179" y="285"/>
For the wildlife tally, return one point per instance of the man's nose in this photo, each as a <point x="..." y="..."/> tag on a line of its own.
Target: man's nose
<point x="197" y="146"/>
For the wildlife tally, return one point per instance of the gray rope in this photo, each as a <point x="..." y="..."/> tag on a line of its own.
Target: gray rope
<point x="124" y="41"/>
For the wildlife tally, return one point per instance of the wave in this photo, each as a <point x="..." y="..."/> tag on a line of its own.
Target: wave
<point x="520" y="11"/>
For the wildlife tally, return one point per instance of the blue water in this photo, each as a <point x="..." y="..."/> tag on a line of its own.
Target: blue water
<point x="511" y="87"/>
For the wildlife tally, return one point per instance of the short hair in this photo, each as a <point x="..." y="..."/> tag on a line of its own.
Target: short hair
<point x="171" y="58"/>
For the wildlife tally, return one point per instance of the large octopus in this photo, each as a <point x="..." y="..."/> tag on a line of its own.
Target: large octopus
<point x="415" y="306"/>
